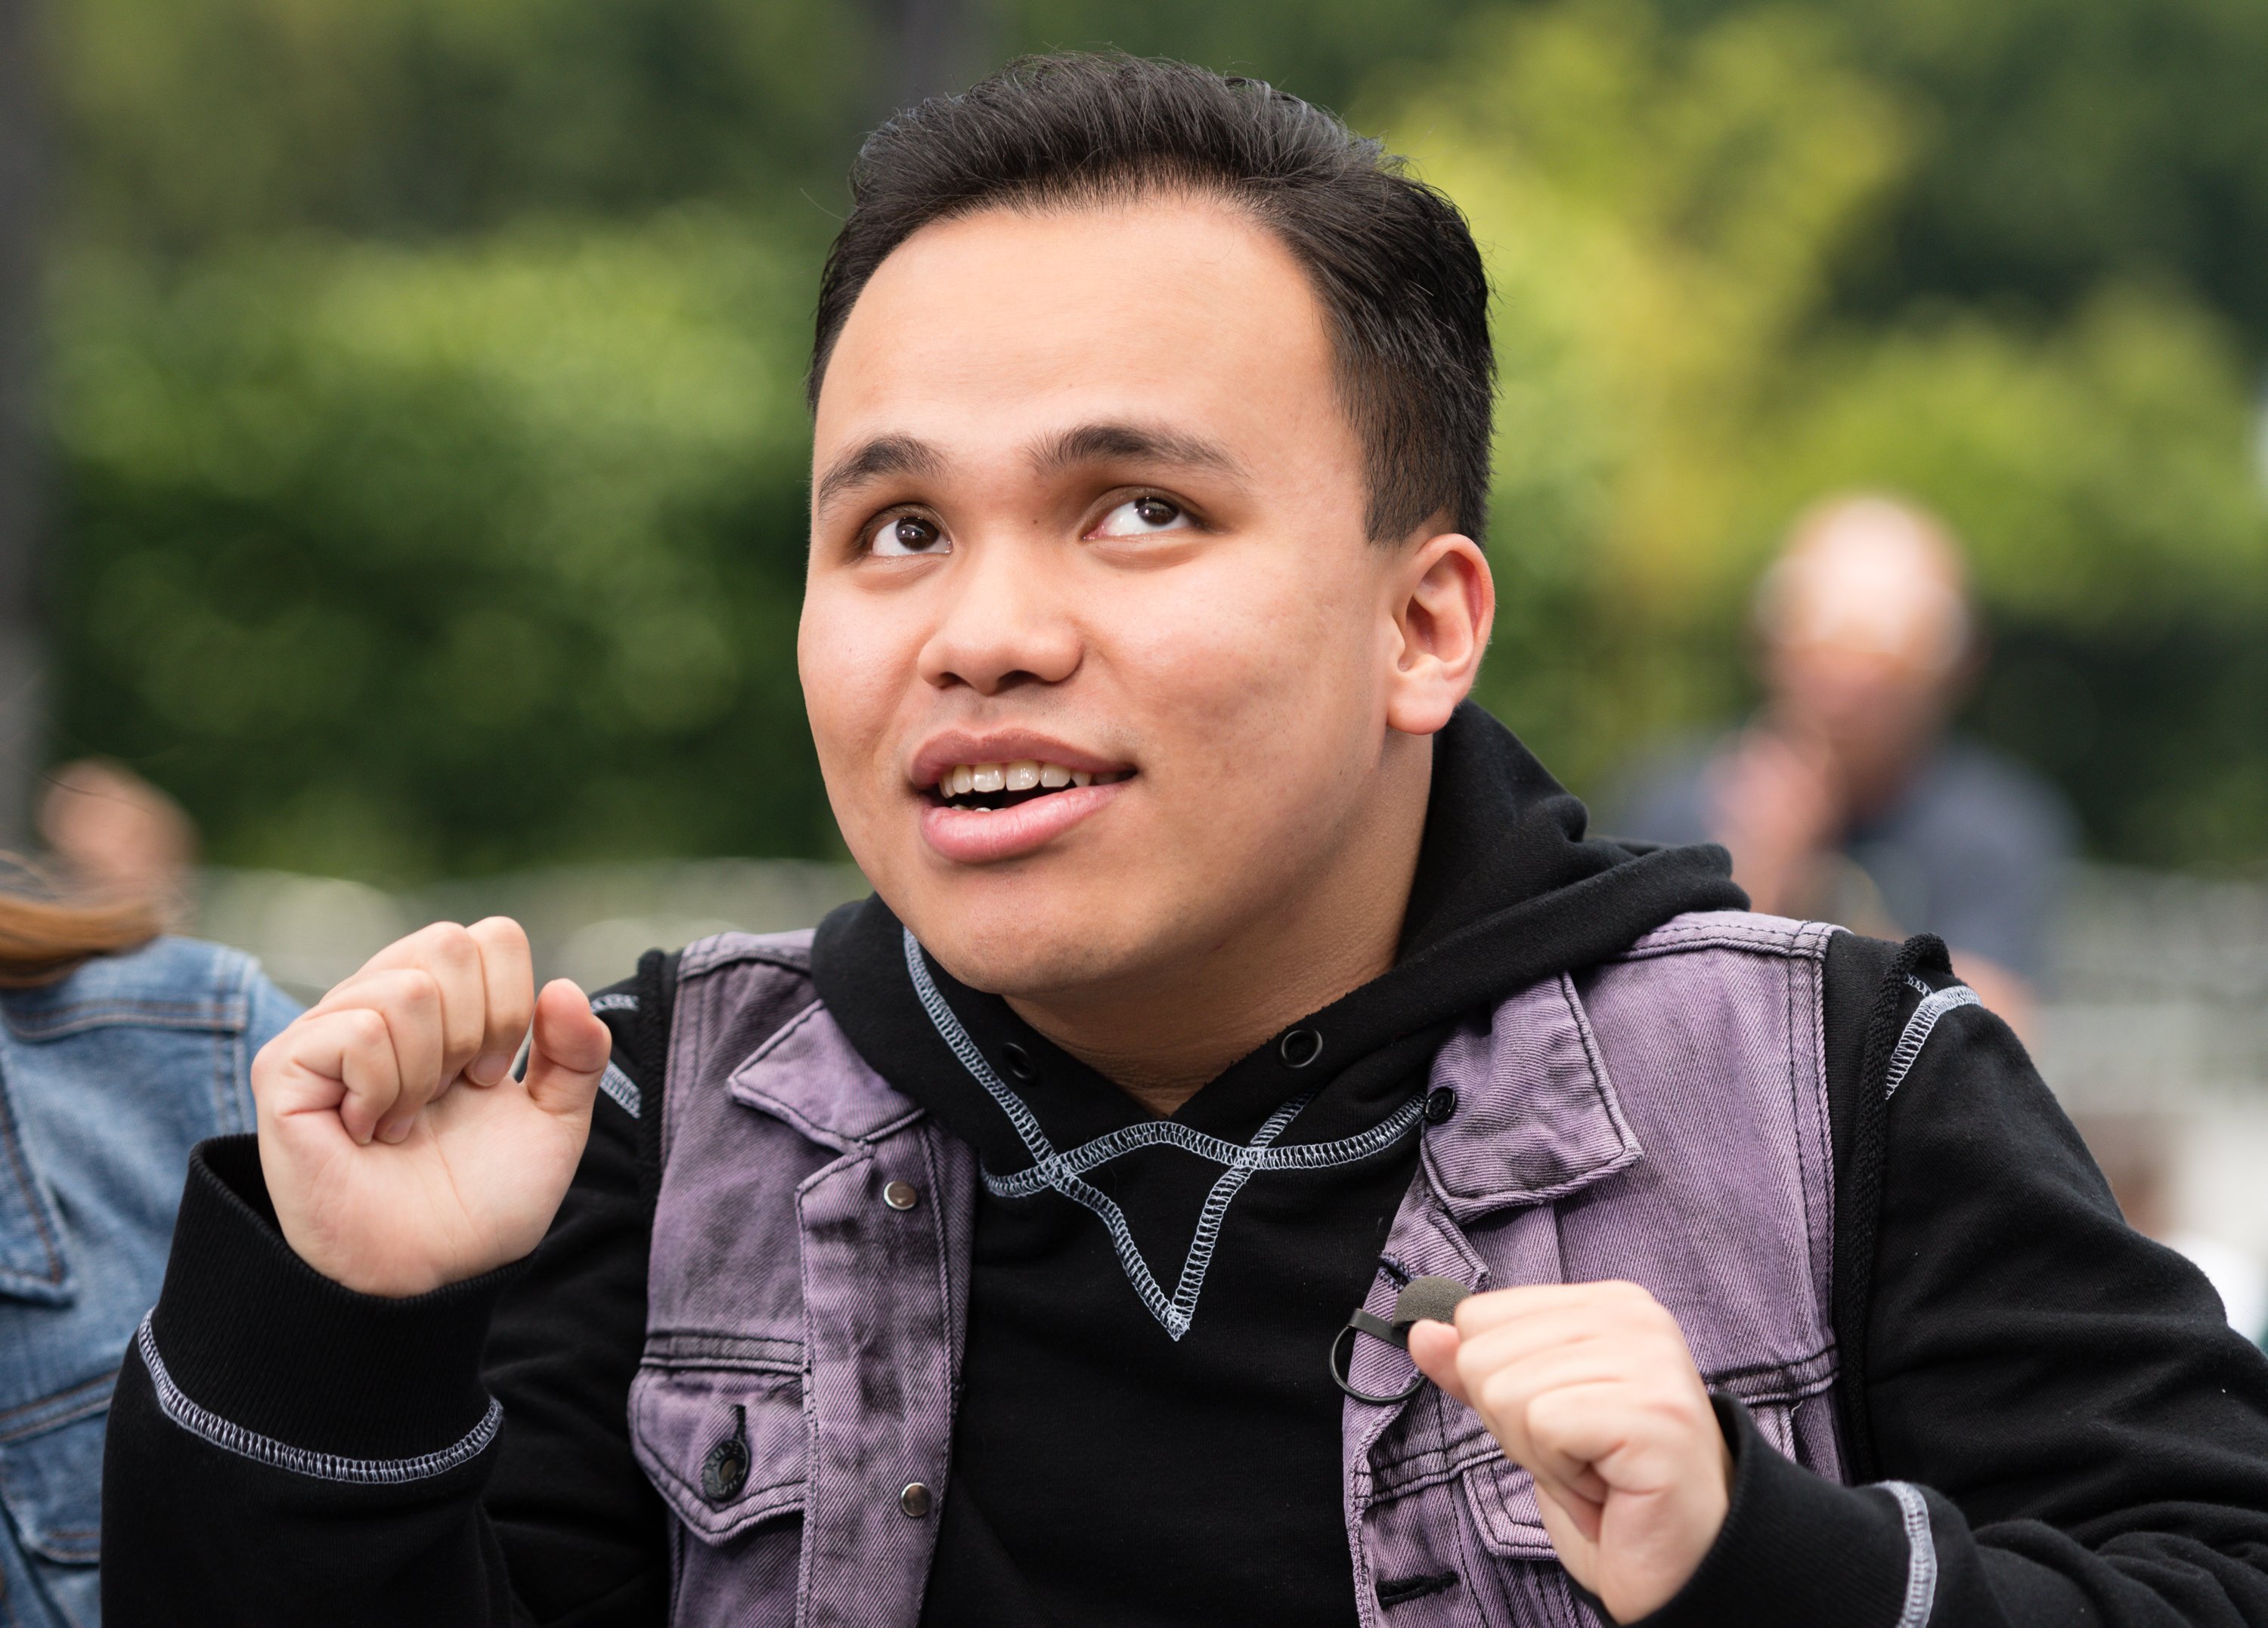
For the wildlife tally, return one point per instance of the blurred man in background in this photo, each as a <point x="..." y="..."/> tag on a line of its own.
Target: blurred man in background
<point x="1845" y="799"/>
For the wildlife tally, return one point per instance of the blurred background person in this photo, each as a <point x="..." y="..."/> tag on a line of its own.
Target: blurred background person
<point x="116" y="836"/>
<point x="119" y="1049"/>
<point x="1847" y="798"/>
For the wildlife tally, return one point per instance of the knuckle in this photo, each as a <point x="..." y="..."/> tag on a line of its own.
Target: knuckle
<point x="500" y="932"/>
<point x="459" y="948"/>
<point x="268" y="1064"/>
<point x="448" y="944"/>
<point x="419" y="993"/>
<point x="1500" y="1394"/>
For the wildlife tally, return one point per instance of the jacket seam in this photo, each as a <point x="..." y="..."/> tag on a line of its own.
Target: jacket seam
<point x="19" y="1167"/>
<point x="57" y="1409"/>
<point x="206" y="1426"/>
<point x="1920" y="1597"/>
<point x="1934" y="1006"/>
<point x="228" y="1016"/>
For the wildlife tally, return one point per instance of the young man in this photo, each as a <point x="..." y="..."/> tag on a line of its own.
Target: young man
<point x="1232" y="993"/>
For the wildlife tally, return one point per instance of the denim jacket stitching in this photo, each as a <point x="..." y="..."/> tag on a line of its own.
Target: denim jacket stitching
<point x="58" y="1276"/>
<point x="62" y="1407"/>
<point x="229" y="1016"/>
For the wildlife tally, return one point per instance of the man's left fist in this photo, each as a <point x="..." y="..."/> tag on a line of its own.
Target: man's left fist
<point x="1589" y="1387"/>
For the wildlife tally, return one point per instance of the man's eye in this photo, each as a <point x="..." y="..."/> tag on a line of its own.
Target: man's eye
<point x="906" y="535"/>
<point x="1142" y="516"/>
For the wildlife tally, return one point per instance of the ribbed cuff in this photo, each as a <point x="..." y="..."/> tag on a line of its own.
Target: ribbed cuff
<point x="251" y="1333"/>
<point x="1796" y="1548"/>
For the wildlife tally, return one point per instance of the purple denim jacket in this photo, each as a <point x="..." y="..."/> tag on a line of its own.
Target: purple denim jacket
<point x="1661" y="1118"/>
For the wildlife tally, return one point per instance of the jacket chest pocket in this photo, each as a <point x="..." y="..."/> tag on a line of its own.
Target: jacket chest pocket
<point x="718" y="1423"/>
<point x="1526" y="1583"/>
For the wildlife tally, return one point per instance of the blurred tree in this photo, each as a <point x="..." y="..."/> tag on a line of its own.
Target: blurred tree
<point x="391" y="562"/>
<point x="191" y="126"/>
<point x="2068" y="142"/>
<point x="1324" y="50"/>
<point x="360" y="536"/>
<point x="938" y="46"/>
<point x="23" y="200"/>
<point x="1666" y="215"/>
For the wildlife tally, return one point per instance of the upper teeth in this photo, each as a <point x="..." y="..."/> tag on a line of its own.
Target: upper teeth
<point x="1021" y="775"/>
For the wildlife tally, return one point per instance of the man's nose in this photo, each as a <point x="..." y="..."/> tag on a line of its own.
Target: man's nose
<point x="1006" y="622"/>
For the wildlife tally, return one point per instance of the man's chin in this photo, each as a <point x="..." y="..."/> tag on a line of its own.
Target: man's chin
<point x="1041" y="957"/>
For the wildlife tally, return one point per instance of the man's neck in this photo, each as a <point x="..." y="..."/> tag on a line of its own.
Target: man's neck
<point x="1161" y="1040"/>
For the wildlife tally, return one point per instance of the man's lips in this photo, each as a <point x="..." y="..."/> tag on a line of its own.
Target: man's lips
<point x="977" y="836"/>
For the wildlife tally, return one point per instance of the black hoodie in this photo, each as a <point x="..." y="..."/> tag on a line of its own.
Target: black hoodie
<point x="1107" y="1471"/>
<point x="2092" y="1438"/>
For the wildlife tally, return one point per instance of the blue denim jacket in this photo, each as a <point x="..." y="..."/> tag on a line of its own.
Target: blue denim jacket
<point x="106" y="1079"/>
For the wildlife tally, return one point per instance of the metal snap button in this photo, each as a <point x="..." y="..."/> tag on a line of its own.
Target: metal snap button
<point x="1440" y="1102"/>
<point x="725" y="1471"/>
<point x="1018" y="1062"/>
<point x="900" y="1195"/>
<point x="1300" y="1047"/>
<point x="914" y="1500"/>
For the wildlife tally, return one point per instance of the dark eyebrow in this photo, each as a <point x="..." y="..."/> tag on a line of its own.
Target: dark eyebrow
<point x="1096" y="444"/>
<point x="871" y="460"/>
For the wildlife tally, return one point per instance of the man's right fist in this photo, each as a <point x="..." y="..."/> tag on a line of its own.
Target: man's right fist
<point x="399" y="1151"/>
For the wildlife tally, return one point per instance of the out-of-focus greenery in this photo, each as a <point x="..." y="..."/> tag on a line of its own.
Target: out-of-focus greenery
<point x="399" y="562"/>
<point x="430" y="453"/>
<point x="1665" y="213"/>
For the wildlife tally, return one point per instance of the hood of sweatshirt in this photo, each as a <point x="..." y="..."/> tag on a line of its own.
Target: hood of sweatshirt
<point x="1508" y="890"/>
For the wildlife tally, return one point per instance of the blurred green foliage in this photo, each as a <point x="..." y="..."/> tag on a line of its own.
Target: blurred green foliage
<point x="1666" y="213"/>
<point x="431" y="458"/>
<point x="397" y="561"/>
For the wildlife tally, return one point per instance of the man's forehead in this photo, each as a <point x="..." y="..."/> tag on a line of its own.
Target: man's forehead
<point x="1165" y="300"/>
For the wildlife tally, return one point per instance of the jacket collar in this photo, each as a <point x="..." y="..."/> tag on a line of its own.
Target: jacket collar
<point x="810" y="1076"/>
<point x="1535" y="1116"/>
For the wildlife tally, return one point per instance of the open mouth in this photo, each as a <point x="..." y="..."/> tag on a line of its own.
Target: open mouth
<point x="988" y="786"/>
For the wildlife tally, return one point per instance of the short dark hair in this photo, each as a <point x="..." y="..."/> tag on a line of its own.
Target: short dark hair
<point x="1390" y="257"/>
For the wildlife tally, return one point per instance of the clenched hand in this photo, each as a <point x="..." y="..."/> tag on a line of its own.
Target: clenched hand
<point x="1589" y="1387"/>
<point x="399" y="1151"/>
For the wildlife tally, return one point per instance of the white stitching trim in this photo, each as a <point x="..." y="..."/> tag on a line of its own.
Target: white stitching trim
<point x="1255" y="1155"/>
<point x="1921" y="1555"/>
<point x="1062" y="1171"/>
<point x="622" y="1089"/>
<point x="210" y="1427"/>
<point x="1934" y="1005"/>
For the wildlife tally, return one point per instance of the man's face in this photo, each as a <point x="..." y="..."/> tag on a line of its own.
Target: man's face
<point x="1087" y="507"/>
<point x="1866" y="656"/>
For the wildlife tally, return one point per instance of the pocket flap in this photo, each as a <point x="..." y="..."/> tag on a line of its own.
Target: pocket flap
<point x="1504" y="1504"/>
<point x="722" y="1437"/>
<point x="1507" y="1507"/>
<point x="51" y="1486"/>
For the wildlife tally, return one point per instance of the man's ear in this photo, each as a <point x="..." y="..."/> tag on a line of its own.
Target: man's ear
<point x="1444" y="605"/>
